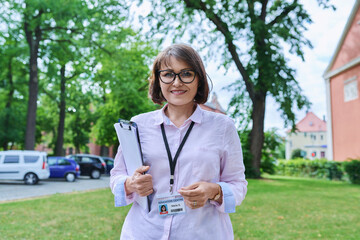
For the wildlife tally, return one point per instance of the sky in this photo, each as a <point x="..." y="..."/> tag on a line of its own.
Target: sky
<point x="324" y="33"/>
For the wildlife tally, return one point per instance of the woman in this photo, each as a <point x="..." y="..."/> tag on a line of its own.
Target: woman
<point x="193" y="157"/>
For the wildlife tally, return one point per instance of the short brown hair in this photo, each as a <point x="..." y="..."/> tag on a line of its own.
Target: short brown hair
<point x="184" y="53"/>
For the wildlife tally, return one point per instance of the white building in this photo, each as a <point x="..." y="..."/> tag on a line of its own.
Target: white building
<point x="310" y="137"/>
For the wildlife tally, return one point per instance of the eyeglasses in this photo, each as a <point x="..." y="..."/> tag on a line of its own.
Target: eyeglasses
<point x="185" y="76"/>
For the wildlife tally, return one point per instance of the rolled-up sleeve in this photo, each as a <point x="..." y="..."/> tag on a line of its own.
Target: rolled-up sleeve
<point x="118" y="175"/>
<point x="232" y="172"/>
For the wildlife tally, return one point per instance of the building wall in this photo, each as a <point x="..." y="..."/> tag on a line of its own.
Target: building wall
<point x="307" y="141"/>
<point x="345" y="115"/>
<point x="350" y="48"/>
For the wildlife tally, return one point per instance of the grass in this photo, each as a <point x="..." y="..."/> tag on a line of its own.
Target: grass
<point x="298" y="208"/>
<point x="274" y="208"/>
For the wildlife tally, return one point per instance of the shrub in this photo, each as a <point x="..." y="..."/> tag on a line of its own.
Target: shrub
<point x="353" y="170"/>
<point x="319" y="168"/>
<point x="297" y="153"/>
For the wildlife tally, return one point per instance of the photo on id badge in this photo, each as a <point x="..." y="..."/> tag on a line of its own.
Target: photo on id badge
<point x="163" y="209"/>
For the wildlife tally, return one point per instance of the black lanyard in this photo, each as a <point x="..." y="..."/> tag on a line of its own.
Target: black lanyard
<point x="172" y="162"/>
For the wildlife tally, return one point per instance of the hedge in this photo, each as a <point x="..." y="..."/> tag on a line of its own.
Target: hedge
<point x="353" y="170"/>
<point x="319" y="168"/>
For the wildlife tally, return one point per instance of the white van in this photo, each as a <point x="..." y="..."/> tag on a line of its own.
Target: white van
<point x="29" y="166"/>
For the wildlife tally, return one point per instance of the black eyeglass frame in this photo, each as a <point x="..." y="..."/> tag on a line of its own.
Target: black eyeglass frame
<point x="176" y="74"/>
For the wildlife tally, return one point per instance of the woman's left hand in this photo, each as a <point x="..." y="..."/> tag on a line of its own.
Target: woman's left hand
<point x="197" y="194"/>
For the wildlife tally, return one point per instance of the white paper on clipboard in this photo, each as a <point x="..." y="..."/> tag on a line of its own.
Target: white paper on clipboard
<point x="127" y="133"/>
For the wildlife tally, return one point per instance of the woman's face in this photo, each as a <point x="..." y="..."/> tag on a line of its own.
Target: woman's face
<point x="178" y="93"/>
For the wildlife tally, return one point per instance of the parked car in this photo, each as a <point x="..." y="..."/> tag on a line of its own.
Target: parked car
<point x="90" y="165"/>
<point x="109" y="164"/>
<point x="61" y="167"/>
<point x="29" y="166"/>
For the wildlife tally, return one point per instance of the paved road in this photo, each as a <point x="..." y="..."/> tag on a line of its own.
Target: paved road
<point x="12" y="190"/>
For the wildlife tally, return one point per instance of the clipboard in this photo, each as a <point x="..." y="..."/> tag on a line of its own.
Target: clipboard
<point x="128" y="135"/>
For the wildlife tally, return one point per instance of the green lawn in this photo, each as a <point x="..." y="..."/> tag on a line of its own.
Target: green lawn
<point x="275" y="208"/>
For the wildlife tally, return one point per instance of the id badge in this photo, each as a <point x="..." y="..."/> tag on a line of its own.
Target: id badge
<point x="171" y="204"/>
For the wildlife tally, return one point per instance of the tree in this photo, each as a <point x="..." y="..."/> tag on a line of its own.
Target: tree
<point x="59" y="21"/>
<point x="250" y="35"/>
<point x="123" y="83"/>
<point x="12" y="91"/>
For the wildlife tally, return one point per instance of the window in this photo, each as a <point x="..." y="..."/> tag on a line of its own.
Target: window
<point x="304" y="134"/>
<point x="63" y="162"/>
<point x="52" y="161"/>
<point x="31" y="159"/>
<point x="322" y="154"/>
<point x="95" y="160"/>
<point x="321" y="137"/>
<point x="11" y="159"/>
<point x="350" y="89"/>
<point x="86" y="160"/>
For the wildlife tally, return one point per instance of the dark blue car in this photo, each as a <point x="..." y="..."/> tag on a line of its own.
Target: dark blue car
<point x="109" y="163"/>
<point x="61" y="167"/>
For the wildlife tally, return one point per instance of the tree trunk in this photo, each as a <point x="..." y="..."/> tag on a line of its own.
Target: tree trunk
<point x="257" y="132"/>
<point x="8" y="104"/>
<point x="32" y="102"/>
<point x="60" y="133"/>
<point x="33" y="38"/>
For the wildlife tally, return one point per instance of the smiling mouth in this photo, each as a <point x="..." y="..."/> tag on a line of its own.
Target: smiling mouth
<point x="178" y="92"/>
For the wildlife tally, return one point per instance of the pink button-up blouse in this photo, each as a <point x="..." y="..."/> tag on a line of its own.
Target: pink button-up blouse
<point x="211" y="153"/>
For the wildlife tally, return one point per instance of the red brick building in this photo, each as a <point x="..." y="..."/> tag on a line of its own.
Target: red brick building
<point x="342" y="78"/>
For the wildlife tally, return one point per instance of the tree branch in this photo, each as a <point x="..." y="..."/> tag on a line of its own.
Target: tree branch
<point x="72" y="76"/>
<point x="224" y="29"/>
<point x="263" y="10"/>
<point x="61" y="28"/>
<point x="284" y="13"/>
<point x="57" y="40"/>
<point x="102" y="48"/>
<point x="51" y="96"/>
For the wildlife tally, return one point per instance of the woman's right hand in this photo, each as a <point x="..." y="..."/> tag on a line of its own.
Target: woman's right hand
<point x="139" y="182"/>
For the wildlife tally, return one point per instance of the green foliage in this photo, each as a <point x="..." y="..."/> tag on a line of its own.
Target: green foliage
<point x="106" y="69"/>
<point x="12" y="91"/>
<point x="247" y="157"/>
<point x="272" y="150"/>
<point x="297" y="153"/>
<point x="124" y="86"/>
<point x="230" y="23"/>
<point x="352" y="168"/>
<point x="12" y="126"/>
<point x="251" y="37"/>
<point x="319" y="168"/>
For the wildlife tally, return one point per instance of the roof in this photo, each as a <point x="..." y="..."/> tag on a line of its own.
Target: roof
<point x="311" y="123"/>
<point x="343" y="36"/>
<point x="214" y="105"/>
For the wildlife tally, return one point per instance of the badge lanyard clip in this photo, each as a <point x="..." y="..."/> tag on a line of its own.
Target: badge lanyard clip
<point x="171" y="183"/>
